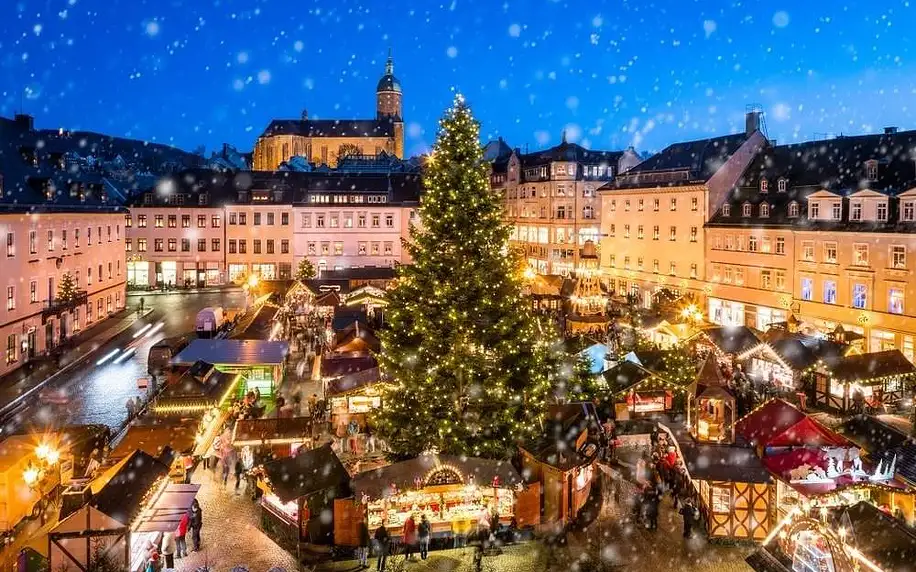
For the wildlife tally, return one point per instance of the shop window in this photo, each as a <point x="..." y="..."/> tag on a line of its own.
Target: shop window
<point x="720" y="499"/>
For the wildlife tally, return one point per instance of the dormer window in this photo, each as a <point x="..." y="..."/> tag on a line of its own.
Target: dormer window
<point x="909" y="211"/>
<point x="781" y="185"/>
<point x="814" y="210"/>
<point x="793" y="209"/>
<point x="881" y="211"/>
<point x="855" y="211"/>
<point x="148" y="198"/>
<point x="764" y="210"/>
<point x="763" y="185"/>
<point x="202" y="199"/>
<point x="871" y="170"/>
<point x="726" y="210"/>
<point x="746" y="210"/>
<point x="836" y="210"/>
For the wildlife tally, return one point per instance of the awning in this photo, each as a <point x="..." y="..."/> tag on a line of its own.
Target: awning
<point x="166" y="512"/>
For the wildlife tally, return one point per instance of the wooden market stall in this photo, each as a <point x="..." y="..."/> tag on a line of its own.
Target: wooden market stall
<point x="711" y="407"/>
<point x="725" y="342"/>
<point x="297" y="490"/>
<point x="131" y="504"/>
<point x="453" y="492"/>
<point x="781" y="363"/>
<point x="279" y="437"/>
<point x="638" y="392"/>
<point x="355" y="395"/>
<point x="260" y="363"/>
<point x="873" y="380"/>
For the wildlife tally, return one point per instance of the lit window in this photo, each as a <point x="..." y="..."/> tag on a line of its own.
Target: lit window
<point x="895" y="301"/>
<point x="752" y="243"/>
<point x="639" y="204"/>
<point x="655" y="232"/>
<point x="764" y="186"/>
<point x="807" y="288"/>
<point x="655" y="266"/>
<point x="764" y="210"/>
<point x="881" y="211"/>
<point x="693" y="234"/>
<point x="765" y="279"/>
<point x="860" y="254"/>
<point x="814" y="210"/>
<point x="626" y="231"/>
<point x="830" y="252"/>
<point x="694" y="203"/>
<point x="898" y="256"/>
<point x="780" y="245"/>
<point x="871" y="170"/>
<point x="655" y="204"/>
<point x="746" y="210"/>
<point x="781" y="185"/>
<point x="836" y="210"/>
<point x="909" y="211"/>
<point x="808" y="251"/>
<point x="855" y="211"/>
<point x="780" y="280"/>
<point x="672" y="233"/>
<point x="830" y="292"/>
<point x="674" y="203"/>
<point x="639" y="233"/>
<point x="859" y="296"/>
<point x="726" y="210"/>
<point x="693" y="270"/>
<point x="672" y="268"/>
<point x="793" y="209"/>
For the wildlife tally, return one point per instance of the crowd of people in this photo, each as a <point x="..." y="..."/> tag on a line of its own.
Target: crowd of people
<point x="173" y="545"/>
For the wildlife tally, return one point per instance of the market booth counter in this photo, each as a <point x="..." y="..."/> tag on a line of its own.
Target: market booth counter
<point x="297" y="491"/>
<point x="135" y="503"/>
<point x="451" y="491"/>
<point x="711" y="406"/>
<point x="355" y="395"/>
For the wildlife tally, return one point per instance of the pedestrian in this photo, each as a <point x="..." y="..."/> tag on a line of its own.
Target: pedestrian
<point x="196" y="521"/>
<point x="152" y="557"/>
<point x="410" y="536"/>
<point x="423" y="531"/>
<point x="352" y="436"/>
<point x="363" y="550"/>
<point x="239" y="469"/>
<point x="130" y="408"/>
<point x="168" y="549"/>
<point x="382" y="544"/>
<point x="690" y="515"/>
<point x="653" y="437"/>
<point x="181" y="544"/>
<point x="141" y="304"/>
<point x="227" y="466"/>
<point x="652" y="510"/>
<point x="187" y="462"/>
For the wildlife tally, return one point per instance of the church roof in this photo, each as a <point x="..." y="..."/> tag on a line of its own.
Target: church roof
<point x="388" y="82"/>
<point x="331" y="127"/>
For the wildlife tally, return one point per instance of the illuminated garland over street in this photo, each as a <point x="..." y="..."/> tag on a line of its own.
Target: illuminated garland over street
<point x="470" y="367"/>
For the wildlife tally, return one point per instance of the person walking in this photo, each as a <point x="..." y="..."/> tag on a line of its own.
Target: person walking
<point x="423" y="531"/>
<point x="181" y="532"/>
<point x="239" y="469"/>
<point x="363" y="549"/>
<point x="383" y="544"/>
<point x="410" y="536"/>
<point x="168" y="549"/>
<point x="651" y="501"/>
<point x="141" y="304"/>
<point x="228" y="464"/>
<point x="196" y="521"/>
<point x="690" y="515"/>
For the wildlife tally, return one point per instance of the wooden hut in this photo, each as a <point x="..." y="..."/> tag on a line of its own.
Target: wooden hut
<point x="711" y="407"/>
<point x="872" y="380"/>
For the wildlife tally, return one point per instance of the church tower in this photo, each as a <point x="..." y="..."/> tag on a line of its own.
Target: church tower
<point x="388" y="104"/>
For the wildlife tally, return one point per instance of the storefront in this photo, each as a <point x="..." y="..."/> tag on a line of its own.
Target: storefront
<point x="265" y="271"/>
<point x="167" y="273"/>
<point x="711" y="408"/>
<point x="453" y="492"/>
<point x="638" y="392"/>
<point x="138" y="273"/>
<point x="726" y="312"/>
<point x="237" y="272"/>
<point x="780" y="364"/>
<point x="354" y="396"/>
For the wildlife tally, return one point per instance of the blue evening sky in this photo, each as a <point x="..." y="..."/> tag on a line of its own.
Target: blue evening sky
<point x="201" y="72"/>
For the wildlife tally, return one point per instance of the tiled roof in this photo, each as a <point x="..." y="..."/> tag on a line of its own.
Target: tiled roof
<point x="331" y="127"/>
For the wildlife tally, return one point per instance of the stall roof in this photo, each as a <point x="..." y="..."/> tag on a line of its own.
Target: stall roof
<point x="272" y="428"/>
<point x="885" y="540"/>
<point x="559" y="445"/>
<point x="732" y="339"/>
<point x="202" y="381"/>
<point x="233" y="352"/>
<point x="166" y="512"/>
<point x="122" y="496"/>
<point x="778" y="423"/>
<point x="376" y="483"/>
<point x="354" y="382"/>
<point x="870" y="366"/>
<point x="340" y="365"/>
<point x="625" y="375"/>
<point x="177" y="434"/>
<point x="308" y="472"/>
<point x="871" y="433"/>
<point x="356" y="337"/>
<point x="256" y="324"/>
<point x="712" y="462"/>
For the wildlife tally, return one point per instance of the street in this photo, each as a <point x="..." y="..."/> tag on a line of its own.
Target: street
<point x="97" y="390"/>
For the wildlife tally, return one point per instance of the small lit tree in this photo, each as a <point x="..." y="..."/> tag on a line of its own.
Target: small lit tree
<point x="306" y="270"/>
<point x="66" y="288"/>
<point x="347" y="150"/>
<point x="582" y="384"/>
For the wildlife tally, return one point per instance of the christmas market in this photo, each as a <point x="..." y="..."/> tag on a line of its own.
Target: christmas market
<point x="636" y="391"/>
<point x="853" y="382"/>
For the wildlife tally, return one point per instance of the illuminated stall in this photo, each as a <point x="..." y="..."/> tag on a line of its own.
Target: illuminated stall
<point x="637" y="391"/>
<point x="453" y="493"/>
<point x="711" y="406"/>
<point x="725" y="342"/>
<point x="874" y="380"/>
<point x="260" y="363"/>
<point x="277" y="436"/>
<point x="781" y="363"/>
<point x="353" y="396"/>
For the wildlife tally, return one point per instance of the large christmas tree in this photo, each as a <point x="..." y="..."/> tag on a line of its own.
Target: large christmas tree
<point x="469" y="364"/>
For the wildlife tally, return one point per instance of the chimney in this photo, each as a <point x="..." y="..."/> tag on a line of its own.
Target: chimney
<point x="751" y="121"/>
<point x="890" y="130"/>
<point x="24" y="121"/>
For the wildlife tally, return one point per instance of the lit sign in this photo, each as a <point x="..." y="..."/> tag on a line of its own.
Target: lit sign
<point x="646" y="402"/>
<point x="363" y="404"/>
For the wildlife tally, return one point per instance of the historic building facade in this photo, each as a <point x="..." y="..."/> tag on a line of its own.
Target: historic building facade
<point x="821" y="232"/>
<point x="324" y="141"/>
<point x="551" y="199"/>
<point x="653" y="215"/>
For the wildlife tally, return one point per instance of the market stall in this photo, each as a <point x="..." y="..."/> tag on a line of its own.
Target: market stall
<point x="725" y="342"/>
<point x="297" y="490"/>
<point x="777" y="424"/>
<point x="354" y="395"/>
<point x="135" y="504"/>
<point x="637" y="391"/>
<point x="873" y="380"/>
<point x="711" y="406"/>
<point x="260" y="363"/>
<point x="780" y="363"/>
<point x="451" y="491"/>
<point x="279" y="437"/>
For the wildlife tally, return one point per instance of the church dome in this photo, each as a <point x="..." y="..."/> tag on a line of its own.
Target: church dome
<point x="388" y="82"/>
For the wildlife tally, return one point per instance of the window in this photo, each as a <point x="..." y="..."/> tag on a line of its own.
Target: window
<point x="765" y="279"/>
<point x="626" y="231"/>
<point x="201" y="221"/>
<point x="361" y="220"/>
<point x="270" y="246"/>
<point x="33" y="242"/>
<point x="157" y="245"/>
<point x="374" y="248"/>
<point x="780" y="245"/>
<point x="693" y="234"/>
<point x="626" y="262"/>
<point x="739" y="275"/>
<point x="271" y="219"/>
<point x="89" y="276"/>
<point x="612" y="229"/>
<point x="173" y="245"/>
<point x="655" y="232"/>
<point x="128" y="245"/>
<point x="764" y="210"/>
<point x="50" y="241"/>
<point x="612" y="261"/>
<point x="746" y="210"/>
<point x="781" y="185"/>
<point x="128" y="221"/>
<point x="389" y="221"/>
<point x="855" y="211"/>
<point x="655" y="204"/>
<point x="780" y="280"/>
<point x="814" y="210"/>
<point x="338" y="248"/>
<point x="829" y="291"/>
<point x="284" y="219"/>
<point x="793" y="210"/>
<point x="158" y="221"/>
<point x="141" y="221"/>
<point x="639" y="204"/>
<point x="836" y="210"/>
<point x="860" y="254"/>
<point x="375" y="220"/>
<point x="214" y="245"/>
<point x="672" y="268"/>
<point x="655" y="266"/>
<point x="186" y="245"/>
<point x="141" y="245"/>
<point x="726" y="210"/>
<point x="807" y="288"/>
<point x="11" y="348"/>
<point x="808" y="251"/>
<point x="614" y="205"/>
<point x="898" y="256"/>
<point x="626" y="205"/>
<point x="881" y="211"/>
<point x="334" y="221"/>
<point x="752" y="243"/>
<point x="895" y="300"/>
<point x="729" y="242"/>
<point x="765" y="245"/>
<point x="764" y="186"/>
<point x="859" y="296"/>
<point x="243" y="247"/>
<point x="871" y="170"/>
<point x="284" y="247"/>
<point x="830" y="252"/>
<point x="319" y="221"/>
<point x="201" y="245"/>
<point x="672" y="233"/>
<point x="234" y="219"/>
<point x="693" y="270"/>
<point x="185" y="221"/>
<point x="639" y="263"/>
<point x="231" y="245"/>
<point x="257" y="246"/>
<point x="215" y="221"/>
<point x="173" y="221"/>
<point x="694" y="203"/>
<point x="10" y="244"/>
<point x="243" y="218"/>
<point x="257" y="219"/>
<point x="674" y="203"/>
<point x="729" y="275"/>
<point x="33" y="291"/>
<point x="909" y="211"/>
<point x="388" y="248"/>
<point x="639" y="232"/>
<point x="588" y="212"/>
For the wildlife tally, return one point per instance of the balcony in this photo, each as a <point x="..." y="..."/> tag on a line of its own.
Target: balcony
<point x="56" y="306"/>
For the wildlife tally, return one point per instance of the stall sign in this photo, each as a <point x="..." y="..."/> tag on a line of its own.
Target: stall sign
<point x="647" y="402"/>
<point x="363" y="404"/>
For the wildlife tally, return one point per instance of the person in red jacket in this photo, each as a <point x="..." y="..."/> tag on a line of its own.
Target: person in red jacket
<point x="410" y="536"/>
<point x="180" y="533"/>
